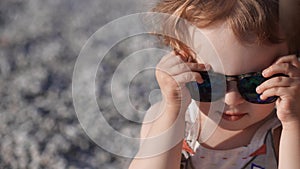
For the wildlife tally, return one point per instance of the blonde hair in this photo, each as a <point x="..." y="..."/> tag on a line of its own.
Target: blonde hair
<point x="258" y="17"/>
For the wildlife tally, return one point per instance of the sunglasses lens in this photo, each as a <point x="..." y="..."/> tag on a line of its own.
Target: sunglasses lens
<point x="247" y="87"/>
<point x="203" y="91"/>
<point x="213" y="89"/>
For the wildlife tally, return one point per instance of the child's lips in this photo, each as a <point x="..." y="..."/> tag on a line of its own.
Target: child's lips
<point x="230" y="116"/>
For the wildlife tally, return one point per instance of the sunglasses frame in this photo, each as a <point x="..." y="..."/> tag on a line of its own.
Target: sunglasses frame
<point x="229" y="78"/>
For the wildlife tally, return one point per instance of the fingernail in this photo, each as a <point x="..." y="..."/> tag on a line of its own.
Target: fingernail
<point x="207" y="66"/>
<point x="265" y="72"/>
<point x="200" y="80"/>
<point x="258" y="89"/>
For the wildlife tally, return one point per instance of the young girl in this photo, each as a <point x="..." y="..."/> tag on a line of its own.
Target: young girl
<point x="258" y="125"/>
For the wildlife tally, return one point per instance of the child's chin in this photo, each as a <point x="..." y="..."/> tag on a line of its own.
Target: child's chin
<point x="233" y="126"/>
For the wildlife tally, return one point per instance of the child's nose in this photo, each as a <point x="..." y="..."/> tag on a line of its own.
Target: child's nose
<point x="233" y="96"/>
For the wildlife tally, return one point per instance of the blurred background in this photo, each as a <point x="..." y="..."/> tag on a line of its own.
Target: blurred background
<point x="40" y="41"/>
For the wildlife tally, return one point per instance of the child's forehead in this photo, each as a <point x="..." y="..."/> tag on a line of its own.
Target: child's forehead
<point x="217" y="45"/>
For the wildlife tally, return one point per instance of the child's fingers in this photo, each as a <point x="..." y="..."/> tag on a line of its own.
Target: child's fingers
<point x="167" y="62"/>
<point x="181" y="68"/>
<point x="279" y="86"/>
<point x="273" y="92"/>
<point x="186" y="77"/>
<point x="289" y="59"/>
<point x="282" y="92"/>
<point x="173" y="65"/>
<point x="170" y="60"/>
<point x="279" y="81"/>
<point x="166" y="57"/>
<point x="285" y="68"/>
<point x="186" y="67"/>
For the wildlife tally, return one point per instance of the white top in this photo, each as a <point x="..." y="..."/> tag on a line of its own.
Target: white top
<point x="257" y="155"/>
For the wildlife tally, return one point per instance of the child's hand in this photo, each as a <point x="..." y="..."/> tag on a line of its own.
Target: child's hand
<point x="287" y="88"/>
<point x="172" y="74"/>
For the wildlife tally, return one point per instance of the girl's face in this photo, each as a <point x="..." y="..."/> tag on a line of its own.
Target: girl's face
<point x="218" y="46"/>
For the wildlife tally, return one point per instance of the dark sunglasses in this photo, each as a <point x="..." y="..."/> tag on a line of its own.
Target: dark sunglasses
<point x="213" y="88"/>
